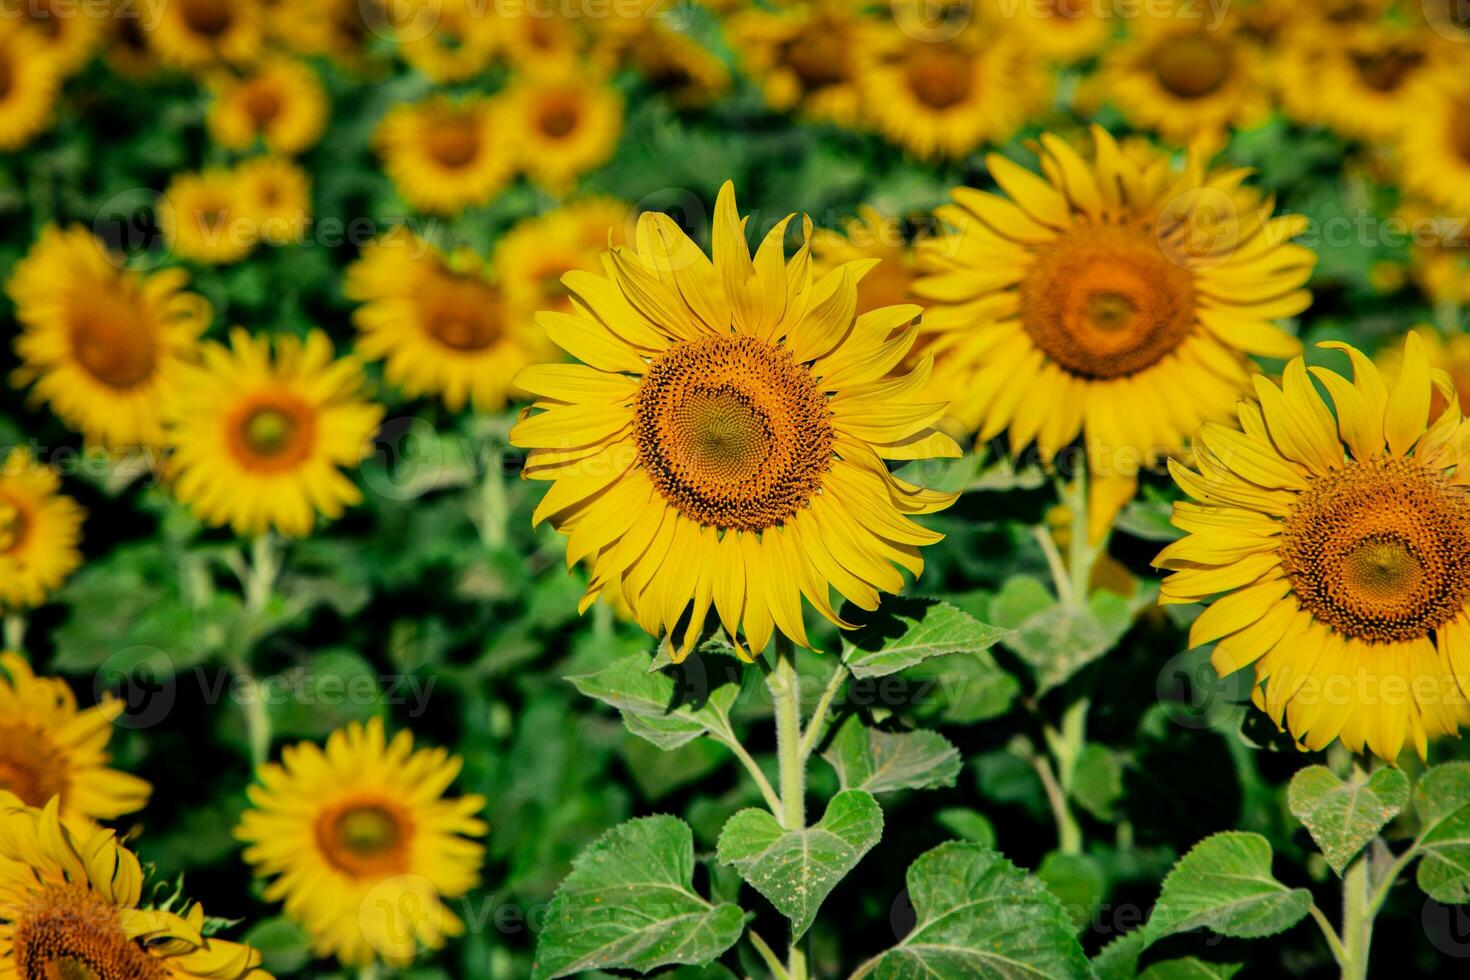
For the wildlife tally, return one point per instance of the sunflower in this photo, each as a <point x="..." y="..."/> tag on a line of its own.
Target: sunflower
<point x="537" y="39"/>
<point x="1450" y="354"/>
<point x="258" y="440"/>
<point x="873" y="238"/>
<point x="336" y="29"/>
<point x="450" y="40"/>
<point x="1063" y="31"/>
<point x="39" y="533"/>
<point x="362" y="845"/>
<point x="59" y="29"/>
<point x="678" y="65"/>
<point x="127" y="49"/>
<point x="723" y="442"/>
<point x="1435" y="143"/>
<point x="201" y="34"/>
<point x="1182" y="79"/>
<point x="101" y="343"/>
<point x="441" y="324"/>
<point x="275" y="197"/>
<point x="51" y="749"/>
<point x="565" y="122"/>
<point x="945" y="97"/>
<point x="1100" y="299"/>
<point x="804" y="57"/>
<point x="532" y="257"/>
<point x="281" y="103"/>
<point x="445" y="155"/>
<point x="1338" y="552"/>
<point x="28" y="87"/>
<point x="1439" y="253"/>
<point x="205" y="217"/>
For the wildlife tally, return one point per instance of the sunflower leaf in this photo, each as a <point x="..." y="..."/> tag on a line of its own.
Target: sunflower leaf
<point x="1224" y="884"/>
<point x="909" y="631"/>
<point x="1343" y="817"/>
<point x="979" y="916"/>
<point x="882" y="762"/>
<point x="1443" y="800"/>
<point x="1057" y="640"/>
<point x="1190" y="968"/>
<point x="797" y="869"/>
<point x="669" y="708"/>
<point x="630" y="903"/>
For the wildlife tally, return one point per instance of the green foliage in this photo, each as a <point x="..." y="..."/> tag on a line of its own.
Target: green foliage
<point x="1343" y="817"/>
<point x="1225" y="884"/>
<point x="883" y="762"/>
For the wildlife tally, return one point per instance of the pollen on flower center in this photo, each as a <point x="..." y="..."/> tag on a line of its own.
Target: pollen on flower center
<point x="1380" y="550"/>
<point x="365" y="838"/>
<point x="1193" y="66"/>
<point x="111" y="345"/>
<point x="1105" y="302"/>
<point x="733" y="432"/>
<point x="31" y="766"/>
<point x="66" y="932"/>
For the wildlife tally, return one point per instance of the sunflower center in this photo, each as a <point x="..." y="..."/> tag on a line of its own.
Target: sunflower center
<point x="558" y="117"/>
<point x="1064" y="10"/>
<point x="1104" y="302"/>
<point x="208" y="17"/>
<point x="364" y="839"/>
<point x="940" y="79"/>
<point x="818" y="56"/>
<point x="454" y="142"/>
<point x="1379" y="550"/>
<point x="733" y="432"/>
<point x="1386" y="71"/>
<point x="67" y="932"/>
<point x="31" y="766"/>
<point x="462" y="315"/>
<point x="1460" y="128"/>
<point x="1192" y="66"/>
<point x="111" y="344"/>
<point x="263" y="104"/>
<point x="7" y="76"/>
<point x="272" y="435"/>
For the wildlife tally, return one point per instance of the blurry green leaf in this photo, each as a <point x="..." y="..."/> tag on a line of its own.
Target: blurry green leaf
<point x="1077" y="880"/>
<point x="630" y="903"/>
<point x="659" y="772"/>
<point x="314" y="699"/>
<point x="797" y="869"/>
<point x="1443" y="799"/>
<point x="967" y="824"/>
<point x="284" y="946"/>
<point x="1343" y="817"/>
<point x="908" y="631"/>
<point x="882" y="762"/>
<point x="1057" y="640"/>
<point x="1190" y="968"/>
<point x="1225" y="884"/>
<point x="1118" y="960"/>
<point x="653" y="703"/>
<point x="1097" y="781"/>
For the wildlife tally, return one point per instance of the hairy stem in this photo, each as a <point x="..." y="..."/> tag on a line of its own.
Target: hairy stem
<point x="768" y="792"/>
<point x="1060" y="577"/>
<point x="817" y="723"/>
<point x="785" y="688"/>
<point x="1357" y="922"/>
<point x="768" y="956"/>
<point x="1069" y="834"/>
<point x="259" y="584"/>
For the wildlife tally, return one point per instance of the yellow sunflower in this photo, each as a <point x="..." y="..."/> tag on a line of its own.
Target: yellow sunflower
<point x="723" y="443"/>
<point x="1439" y="253"/>
<point x="804" y="57"/>
<point x="51" y="749"/>
<point x="362" y="844"/>
<point x="102" y="344"/>
<point x="678" y="65"/>
<point x="1435" y="143"/>
<point x="65" y="32"/>
<point x="281" y="103"/>
<point x="201" y="34"/>
<point x="873" y="238"/>
<point x="39" y="533"/>
<point x="440" y="323"/>
<point x="259" y="441"/>
<point x="335" y="29"/>
<point x="535" y="38"/>
<point x="565" y="122"/>
<point x="531" y="258"/>
<point x="275" y="198"/>
<point x="1450" y="354"/>
<point x="205" y="217"/>
<point x="945" y="97"/>
<point x="1063" y="31"/>
<point x="1116" y="299"/>
<point x="445" y="155"/>
<point x="28" y="87"/>
<point x="450" y="40"/>
<point x="1337" y="552"/>
<point x="128" y="51"/>
<point x="70" y="908"/>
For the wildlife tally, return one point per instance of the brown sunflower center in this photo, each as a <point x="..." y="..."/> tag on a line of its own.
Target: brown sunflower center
<point x="941" y="78"/>
<point x="210" y="18"/>
<point x="31" y="765"/>
<point x="272" y="434"/>
<point x="558" y="116"/>
<point x="1387" y="70"/>
<point x="1104" y="302"/>
<point x="733" y="432"/>
<point x="454" y="142"/>
<point x="818" y="56"/>
<point x="67" y="932"/>
<point x="1192" y="66"/>
<point x="1064" y="10"/>
<point x="1460" y="128"/>
<point x="462" y="314"/>
<point x="1380" y="550"/>
<point x="263" y="103"/>
<point x="110" y="342"/>
<point x="365" y="839"/>
<point x="7" y="76"/>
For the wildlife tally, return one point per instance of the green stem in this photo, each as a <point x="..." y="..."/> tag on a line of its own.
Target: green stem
<point x="1069" y="834"/>
<point x="768" y="956"/>
<point x="796" y="963"/>
<point x="1357" y="923"/>
<point x="494" y="506"/>
<point x="259" y="584"/>
<point x="817" y="723"/>
<point x="768" y="792"/>
<point x="786" y="692"/>
<point x="15" y="631"/>
<point x="1330" y="934"/>
<point x="1059" y="575"/>
<point x="1080" y="552"/>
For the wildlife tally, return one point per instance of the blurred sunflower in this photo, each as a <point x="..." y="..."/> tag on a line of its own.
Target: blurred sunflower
<point x="28" y="88"/>
<point x="39" y="533"/>
<point x="204" y="217"/>
<point x="723" y="442"/>
<point x="1439" y="253"/>
<point x="805" y="57"/>
<point x="531" y="258"/>
<point x="259" y="440"/>
<point x="336" y="29"/>
<point x="445" y="155"/>
<point x="63" y="31"/>
<point x="275" y="198"/>
<point x="535" y="40"/>
<point x="1450" y="354"/>
<point x="943" y="98"/>
<point x="281" y="103"/>
<point x="873" y="238"/>
<point x="1435" y="144"/>
<point x="102" y="344"/>
<point x="677" y="65"/>
<point x="1338" y="553"/>
<point x="1119" y="298"/>
<point x="127" y="49"/>
<point x="1361" y="83"/>
<point x="564" y="122"/>
<point x="200" y="34"/>
<point x="51" y="749"/>
<point x="439" y="322"/>
<point x="449" y="40"/>
<point x="1063" y="31"/>
<point x="69" y="908"/>
<point x="362" y="845"/>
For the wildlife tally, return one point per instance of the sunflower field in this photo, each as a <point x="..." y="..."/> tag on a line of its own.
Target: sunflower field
<point x="718" y="489"/>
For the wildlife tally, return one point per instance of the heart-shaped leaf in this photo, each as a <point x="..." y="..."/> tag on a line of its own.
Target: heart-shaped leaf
<point x="1343" y="817"/>
<point x="1225" y="884"/>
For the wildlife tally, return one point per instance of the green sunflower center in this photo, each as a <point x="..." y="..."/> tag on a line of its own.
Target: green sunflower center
<point x="1193" y="66"/>
<point x="66" y="932"/>
<point x="733" y="432"/>
<point x="272" y="434"/>
<point x="268" y="431"/>
<point x="1380" y="550"/>
<point x="365" y="839"/>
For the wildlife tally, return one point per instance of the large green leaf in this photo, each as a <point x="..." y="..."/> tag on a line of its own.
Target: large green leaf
<point x="980" y="917"/>
<point x="1225" y="884"/>
<point x="1443" y="798"/>
<point x="630" y="903"/>
<point x="797" y="869"/>
<point x="882" y="762"/>
<point x="909" y="631"/>
<point x="654" y="705"/>
<point x="1343" y="817"/>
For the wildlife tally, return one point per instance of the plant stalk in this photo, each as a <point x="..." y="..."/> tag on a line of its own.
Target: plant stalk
<point x="785" y="688"/>
<point x="1357" y="918"/>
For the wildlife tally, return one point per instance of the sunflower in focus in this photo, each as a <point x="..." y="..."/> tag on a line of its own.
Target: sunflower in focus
<point x="445" y="155"/>
<point x="101" y="343"/>
<point x="943" y="98"/>
<point x="50" y="749"/>
<point x="566" y="122"/>
<point x="281" y="103"/>
<point x="205" y="219"/>
<point x="1435" y="144"/>
<point x="202" y="34"/>
<point x="260" y="440"/>
<point x="722" y="445"/>
<point x="450" y="40"/>
<point x="1337" y="552"/>
<point x="1063" y="31"/>
<point x="804" y="57"/>
<point x="39" y="533"/>
<point x="362" y="845"/>
<point x="275" y="198"/>
<point x="1362" y="83"/>
<point x="59" y="29"/>
<point x="1117" y="299"/>
<point x="440" y="323"/>
<point x="28" y="87"/>
<point x="879" y="241"/>
<point x="532" y="257"/>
